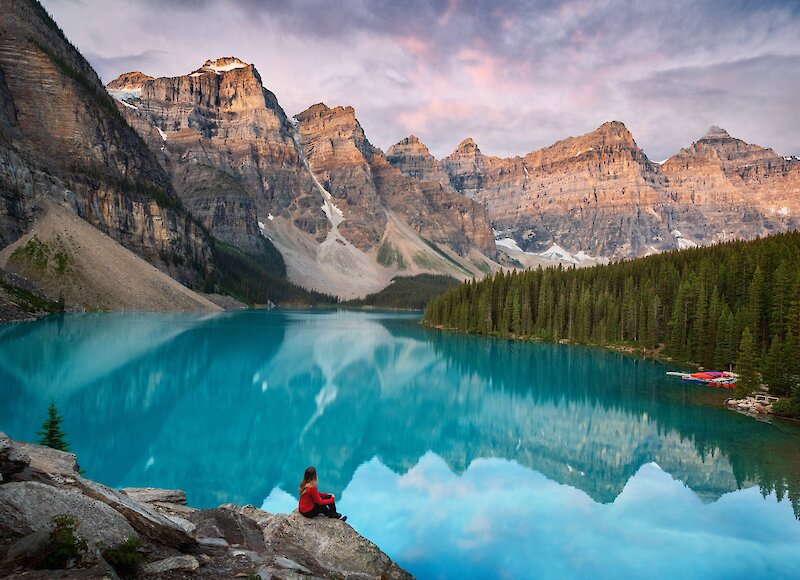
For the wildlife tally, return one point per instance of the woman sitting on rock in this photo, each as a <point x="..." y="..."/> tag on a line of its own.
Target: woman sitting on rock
<point x="312" y="502"/>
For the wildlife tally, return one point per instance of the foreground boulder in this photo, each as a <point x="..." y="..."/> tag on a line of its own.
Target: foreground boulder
<point x="27" y="507"/>
<point x="323" y="545"/>
<point x="158" y="535"/>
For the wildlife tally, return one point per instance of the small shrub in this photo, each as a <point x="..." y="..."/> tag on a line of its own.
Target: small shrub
<point x="64" y="545"/>
<point x="51" y="434"/>
<point x="789" y="407"/>
<point x="30" y="301"/>
<point x="125" y="558"/>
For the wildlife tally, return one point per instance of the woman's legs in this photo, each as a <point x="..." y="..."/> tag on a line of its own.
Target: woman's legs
<point x="328" y="510"/>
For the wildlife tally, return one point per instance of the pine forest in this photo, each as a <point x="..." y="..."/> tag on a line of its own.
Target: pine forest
<point x="734" y="305"/>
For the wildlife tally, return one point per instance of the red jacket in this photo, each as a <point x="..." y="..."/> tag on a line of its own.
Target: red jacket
<point x="310" y="497"/>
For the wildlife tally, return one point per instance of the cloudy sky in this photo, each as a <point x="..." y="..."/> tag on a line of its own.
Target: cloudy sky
<point x="514" y="75"/>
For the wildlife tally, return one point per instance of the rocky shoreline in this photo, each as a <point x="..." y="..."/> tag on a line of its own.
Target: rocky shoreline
<point x="159" y="533"/>
<point x="752" y="405"/>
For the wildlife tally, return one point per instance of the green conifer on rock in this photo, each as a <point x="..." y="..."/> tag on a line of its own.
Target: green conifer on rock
<point x="51" y="434"/>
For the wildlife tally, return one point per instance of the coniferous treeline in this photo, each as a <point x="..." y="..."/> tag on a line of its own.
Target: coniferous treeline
<point x="407" y="292"/>
<point x="736" y="303"/>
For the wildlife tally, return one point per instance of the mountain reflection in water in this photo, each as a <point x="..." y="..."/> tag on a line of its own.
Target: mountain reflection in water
<point x="458" y="455"/>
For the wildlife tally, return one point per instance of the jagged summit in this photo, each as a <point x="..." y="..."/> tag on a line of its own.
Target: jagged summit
<point x="135" y="80"/>
<point x="468" y="145"/>
<point x="345" y="116"/>
<point x="613" y="126"/>
<point x="220" y="65"/>
<point x="615" y="129"/>
<point x="129" y="81"/>
<point x="411" y="145"/>
<point x="715" y="132"/>
<point x="410" y="140"/>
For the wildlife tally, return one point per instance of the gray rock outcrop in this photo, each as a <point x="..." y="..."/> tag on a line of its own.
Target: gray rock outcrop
<point x="49" y="460"/>
<point x="152" y="494"/>
<point x="29" y="506"/>
<point x="12" y="459"/>
<point x="226" y="542"/>
<point x="175" y="563"/>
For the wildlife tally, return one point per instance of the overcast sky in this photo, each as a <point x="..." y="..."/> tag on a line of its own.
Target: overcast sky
<point x="513" y="75"/>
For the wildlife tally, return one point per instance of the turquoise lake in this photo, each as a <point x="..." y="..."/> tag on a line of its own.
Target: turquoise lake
<point x="460" y="456"/>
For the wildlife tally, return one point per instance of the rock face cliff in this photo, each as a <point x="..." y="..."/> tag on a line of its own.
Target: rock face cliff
<point x="365" y="181"/>
<point x="739" y="190"/>
<point x="339" y="155"/>
<point x="344" y="218"/>
<point x="466" y="222"/>
<point x="228" y="147"/>
<point x="599" y="193"/>
<point x="63" y="138"/>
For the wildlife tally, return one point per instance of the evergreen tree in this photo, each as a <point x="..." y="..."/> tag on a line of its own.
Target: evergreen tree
<point x="748" y="380"/>
<point x="775" y="367"/>
<point x="51" y="434"/>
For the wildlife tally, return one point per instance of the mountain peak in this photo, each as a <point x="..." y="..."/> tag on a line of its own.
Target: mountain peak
<point x="315" y="110"/>
<point x="129" y="81"/>
<point x="410" y="146"/>
<point x="610" y="132"/>
<point x="614" y="128"/>
<point x="468" y="146"/>
<point x="715" y="132"/>
<point x="220" y="65"/>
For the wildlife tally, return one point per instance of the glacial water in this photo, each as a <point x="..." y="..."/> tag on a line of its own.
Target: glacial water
<point x="461" y="457"/>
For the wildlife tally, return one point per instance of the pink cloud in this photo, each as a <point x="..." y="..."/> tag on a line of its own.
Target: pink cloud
<point x="481" y="67"/>
<point x="417" y="47"/>
<point x="452" y="8"/>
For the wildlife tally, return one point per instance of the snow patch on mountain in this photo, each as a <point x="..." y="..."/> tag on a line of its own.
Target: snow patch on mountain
<point x="559" y="254"/>
<point x="509" y="243"/>
<point x="555" y="253"/>
<point x="683" y="243"/>
<point x="127" y="104"/>
<point x="221" y="68"/>
<point x="125" y="94"/>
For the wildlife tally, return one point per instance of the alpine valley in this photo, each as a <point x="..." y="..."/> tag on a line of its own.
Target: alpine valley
<point x="155" y="193"/>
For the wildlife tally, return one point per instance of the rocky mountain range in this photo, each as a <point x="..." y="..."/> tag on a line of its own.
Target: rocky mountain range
<point x="342" y="216"/>
<point x="181" y="170"/>
<point x="600" y="195"/>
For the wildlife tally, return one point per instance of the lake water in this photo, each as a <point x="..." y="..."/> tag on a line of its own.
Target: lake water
<point x="461" y="457"/>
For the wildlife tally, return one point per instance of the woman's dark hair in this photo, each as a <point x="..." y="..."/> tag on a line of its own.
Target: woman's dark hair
<point x="309" y="479"/>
